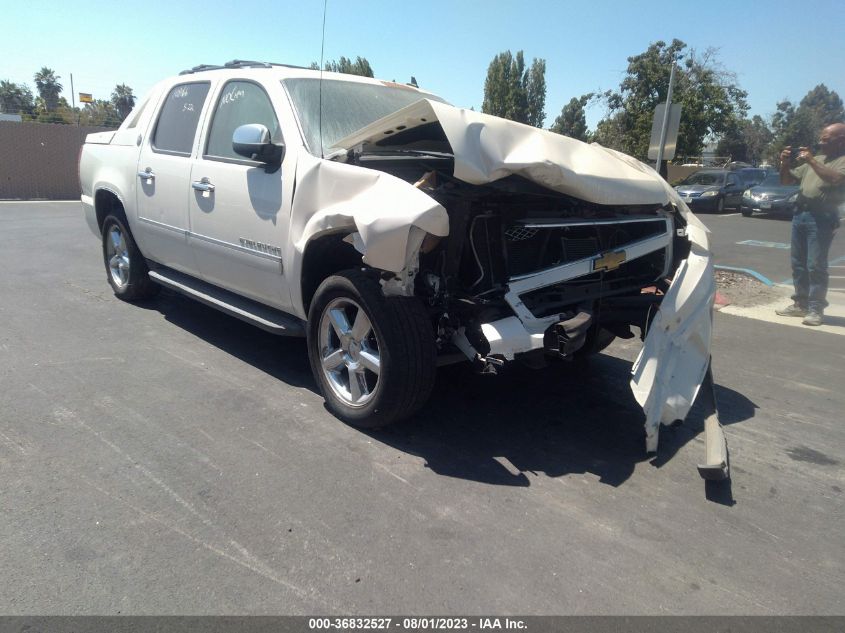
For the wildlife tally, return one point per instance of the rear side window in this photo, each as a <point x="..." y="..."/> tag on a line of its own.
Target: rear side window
<point x="240" y="103"/>
<point x="177" y="123"/>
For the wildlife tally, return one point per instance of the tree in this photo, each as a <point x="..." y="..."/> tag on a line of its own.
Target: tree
<point x="572" y="120"/>
<point x="746" y="140"/>
<point x="16" y="98"/>
<point x="48" y="86"/>
<point x="710" y="99"/>
<point x="100" y="113"/>
<point x="512" y="92"/>
<point x="800" y="126"/>
<point x="535" y="92"/>
<point x="345" y="65"/>
<point x="123" y="100"/>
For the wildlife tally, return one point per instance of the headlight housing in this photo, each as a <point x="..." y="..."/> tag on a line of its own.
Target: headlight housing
<point x="793" y="198"/>
<point x="709" y="194"/>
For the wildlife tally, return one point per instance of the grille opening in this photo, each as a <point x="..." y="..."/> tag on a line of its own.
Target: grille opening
<point x="531" y="247"/>
<point x="631" y="276"/>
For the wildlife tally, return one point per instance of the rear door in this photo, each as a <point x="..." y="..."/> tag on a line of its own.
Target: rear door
<point x="164" y="172"/>
<point x="733" y="190"/>
<point x="239" y="209"/>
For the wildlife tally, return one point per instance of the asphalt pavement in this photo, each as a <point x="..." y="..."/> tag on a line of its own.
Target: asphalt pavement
<point x="165" y="458"/>
<point x="761" y="244"/>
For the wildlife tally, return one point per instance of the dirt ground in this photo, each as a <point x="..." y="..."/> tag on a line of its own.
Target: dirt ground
<point x="743" y="290"/>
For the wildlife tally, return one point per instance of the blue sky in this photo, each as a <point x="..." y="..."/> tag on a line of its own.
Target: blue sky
<point x="447" y="46"/>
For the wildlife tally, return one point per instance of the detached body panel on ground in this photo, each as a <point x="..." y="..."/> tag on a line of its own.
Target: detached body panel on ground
<point x="402" y="232"/>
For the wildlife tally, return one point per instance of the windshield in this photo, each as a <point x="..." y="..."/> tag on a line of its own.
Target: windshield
<point x="772" y="180"/>
<point x="752" y="176"/>
<point x="347" y="107"/>
<point x="704" y="178"/>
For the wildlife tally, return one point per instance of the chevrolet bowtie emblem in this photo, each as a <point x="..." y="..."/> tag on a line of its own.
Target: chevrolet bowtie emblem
<point x="609" y="261"/>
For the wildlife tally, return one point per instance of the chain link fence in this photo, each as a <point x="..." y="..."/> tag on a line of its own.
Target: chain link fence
<point x="39" y="160"/>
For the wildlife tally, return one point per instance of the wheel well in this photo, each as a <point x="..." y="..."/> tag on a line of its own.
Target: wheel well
<point x="323" y="257"/>
<point x="105" y="204"/>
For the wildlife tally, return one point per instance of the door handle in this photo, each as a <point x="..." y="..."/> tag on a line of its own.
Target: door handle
<point x="202" y="185"/>
<point x="147" y="174"/>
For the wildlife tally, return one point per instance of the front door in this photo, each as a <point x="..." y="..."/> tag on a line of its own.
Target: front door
<point x="238" y="224"/>
<point x="164" y="173"/>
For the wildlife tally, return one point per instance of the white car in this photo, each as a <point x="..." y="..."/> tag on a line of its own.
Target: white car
<point x="397" y="232"/>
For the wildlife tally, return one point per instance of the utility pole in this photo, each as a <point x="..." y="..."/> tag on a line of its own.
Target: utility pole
<point x="666" y="116"/>
<point x="73" y="98"/>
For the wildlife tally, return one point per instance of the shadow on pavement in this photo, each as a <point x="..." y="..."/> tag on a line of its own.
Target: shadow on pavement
<point x="578" y="417"/>
<point x="569" y="418"/>
<point x="284" y="358"/>
<point x="835" y="321"/>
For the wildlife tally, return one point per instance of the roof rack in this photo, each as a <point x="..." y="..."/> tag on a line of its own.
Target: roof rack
<point x="237" y="63"/>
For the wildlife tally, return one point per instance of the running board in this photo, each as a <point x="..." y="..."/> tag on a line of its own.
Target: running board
<point x="265" y="317"/>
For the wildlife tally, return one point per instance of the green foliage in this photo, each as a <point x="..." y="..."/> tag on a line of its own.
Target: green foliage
<point x="801" y="126"/>
<point x="49" y="88"/>
<point x="746" y="140"/>
<point x="572" y="120"/>
<point x="345" y="65"/>
<point x="100" y="113"/>
<point x="16" y="98"/>
<point x="711" y="101"/>
<point x="513" y="92"/>
<point x="123" y="100"/>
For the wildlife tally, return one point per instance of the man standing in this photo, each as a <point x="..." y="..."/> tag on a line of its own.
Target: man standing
<point x="822" y="180"/>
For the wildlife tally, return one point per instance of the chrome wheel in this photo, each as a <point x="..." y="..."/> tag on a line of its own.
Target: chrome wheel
<point x="117" y="256"/>
<point x="349" y="352"/>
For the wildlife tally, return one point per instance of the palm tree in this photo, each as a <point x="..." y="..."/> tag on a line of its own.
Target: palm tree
<point x="47" y="83"/>
<point x="15" y="98"/>
<point x="123" y="100"/>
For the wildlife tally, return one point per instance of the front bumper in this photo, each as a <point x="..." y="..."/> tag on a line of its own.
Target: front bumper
<point x="782" y="207"/>
<point x="707" y="203"/>
<point x="674" y="360"/>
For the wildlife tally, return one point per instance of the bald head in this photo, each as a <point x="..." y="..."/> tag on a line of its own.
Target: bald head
<point x="832" y="140"/>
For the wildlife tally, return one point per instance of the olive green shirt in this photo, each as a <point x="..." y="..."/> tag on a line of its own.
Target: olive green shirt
<point x="816" y="189"/>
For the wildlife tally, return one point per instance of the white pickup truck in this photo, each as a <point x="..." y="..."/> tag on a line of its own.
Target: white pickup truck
<point x="397" y="232"/>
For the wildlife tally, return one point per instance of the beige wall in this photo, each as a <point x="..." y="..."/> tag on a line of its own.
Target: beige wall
<point x="677" y="172"/>
<point x="39" y="160"/>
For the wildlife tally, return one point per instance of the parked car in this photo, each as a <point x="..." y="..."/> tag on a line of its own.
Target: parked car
<point x="770" y="197"/>
<point x="397" y="232"/>
<point x="751" y="176"/>
<point x="711" y="190"/>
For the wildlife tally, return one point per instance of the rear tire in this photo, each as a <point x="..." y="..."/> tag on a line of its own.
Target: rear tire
<point x="373" y="357"/>
<point x="126" y="268"/>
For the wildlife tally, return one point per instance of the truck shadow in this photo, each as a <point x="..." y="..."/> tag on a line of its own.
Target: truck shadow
<point x="570" y="418"/>
<point x="284" y="358"/>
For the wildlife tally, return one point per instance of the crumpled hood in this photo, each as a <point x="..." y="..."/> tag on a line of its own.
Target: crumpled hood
<point x="487" y="148"/>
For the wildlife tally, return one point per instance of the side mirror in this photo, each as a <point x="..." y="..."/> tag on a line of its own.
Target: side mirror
<point x="253" y="141"/>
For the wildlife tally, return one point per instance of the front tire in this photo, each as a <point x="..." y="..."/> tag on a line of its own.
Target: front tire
<point x="373" y="357"/>
<point x="126" y="268"/>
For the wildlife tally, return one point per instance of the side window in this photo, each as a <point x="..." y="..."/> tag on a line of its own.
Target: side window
<point x="177" y="122"/>
<point x="240" y="103"/>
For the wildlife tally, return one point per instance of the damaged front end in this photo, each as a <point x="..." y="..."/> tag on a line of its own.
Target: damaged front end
<point x="554" y="248"/>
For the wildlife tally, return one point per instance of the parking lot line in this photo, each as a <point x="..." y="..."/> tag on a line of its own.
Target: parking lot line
<point x="781" y="245"/>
